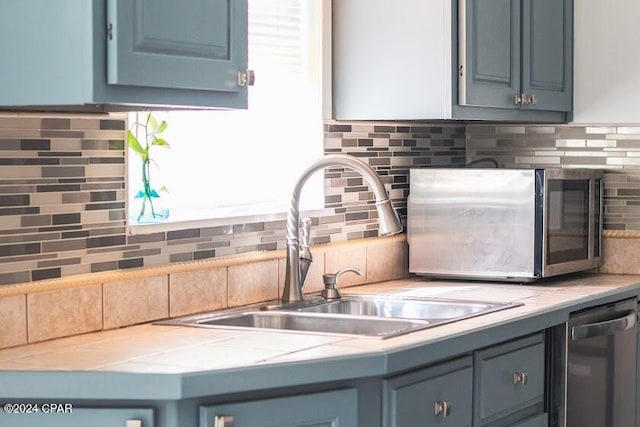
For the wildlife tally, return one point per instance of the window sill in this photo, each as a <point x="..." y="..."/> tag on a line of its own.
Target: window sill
<point x="137" y="229"/>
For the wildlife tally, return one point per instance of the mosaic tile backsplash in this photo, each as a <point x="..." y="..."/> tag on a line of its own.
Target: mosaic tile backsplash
<point x="62" y="195"/>
<point x="616" y="149"/>
<point x="62" y="187"/>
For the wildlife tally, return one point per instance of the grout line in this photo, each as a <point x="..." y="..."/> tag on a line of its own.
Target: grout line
<point x="168" y="296"/>
<point x="26" y="315"/>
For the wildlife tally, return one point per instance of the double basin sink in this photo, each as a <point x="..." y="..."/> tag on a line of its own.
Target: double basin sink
<point x="376" y="316"/>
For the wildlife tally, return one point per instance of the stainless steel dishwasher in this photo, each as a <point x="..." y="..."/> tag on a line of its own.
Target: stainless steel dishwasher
<point x="601" y="366"/>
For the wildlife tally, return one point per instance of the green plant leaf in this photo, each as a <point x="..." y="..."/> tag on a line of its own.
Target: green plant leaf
<point x="161" y="143"/>
<point x="152" y="123"/>
<point x="162" y="127"/>
<point x="134" y="144"/>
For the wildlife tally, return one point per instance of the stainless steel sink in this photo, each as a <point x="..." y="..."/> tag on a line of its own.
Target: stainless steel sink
<point x="405" y="308"/>
<point x="310" y="322"/>
<point x="364" y="315"/>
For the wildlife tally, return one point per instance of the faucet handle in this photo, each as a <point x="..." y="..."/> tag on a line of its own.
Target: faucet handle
<point x="330" y="290"/>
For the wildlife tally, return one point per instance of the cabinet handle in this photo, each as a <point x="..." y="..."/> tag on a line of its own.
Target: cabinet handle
<point x="442" y="408"/>
<point x="133" y="423"/>
<point x="223" y="421"/>
<point x="526" y="99"/>
<point x="602" y="329"/>
<point x="520" y="378"/>
<point x="518" y="98"/>
<point x="246" y="78"/>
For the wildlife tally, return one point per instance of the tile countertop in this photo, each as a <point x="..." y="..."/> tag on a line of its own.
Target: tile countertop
<point x="180" y="362"/>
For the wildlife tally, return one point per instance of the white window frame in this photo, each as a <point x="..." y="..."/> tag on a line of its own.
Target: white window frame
<point x="327" y="112"/>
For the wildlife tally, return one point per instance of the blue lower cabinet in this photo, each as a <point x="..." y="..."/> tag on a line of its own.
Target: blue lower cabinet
<point x="329" y="409"/>
<point x="436" y="396"/>
<point x="541" y="420"/>
<point x="510" y="382"/>
<point x="52" y="415"/>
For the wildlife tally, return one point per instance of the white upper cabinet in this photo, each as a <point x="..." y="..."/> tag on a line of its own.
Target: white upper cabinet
<point x="607" y="80"/>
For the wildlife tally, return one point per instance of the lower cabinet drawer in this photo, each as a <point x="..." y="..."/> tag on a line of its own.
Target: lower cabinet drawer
<point x="78" y="417"/>
<point x="436" y="396"/>
<point x="508" y="378"/>
<point x="327" y="409"/>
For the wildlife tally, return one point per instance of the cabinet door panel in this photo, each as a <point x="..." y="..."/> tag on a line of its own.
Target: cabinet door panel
<point x="79" y="417"/>
<point x="509" y="378"/>
<point x="541" y="420"/>
<point x="330" y="409"/>
<point x="490" y="52"/>
<point x="411" y="399"/>
<point x="546" y="53"/>
<point x="164" y="43"/>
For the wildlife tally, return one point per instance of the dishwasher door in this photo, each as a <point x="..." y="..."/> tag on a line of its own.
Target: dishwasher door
<point x="601" y="366"/>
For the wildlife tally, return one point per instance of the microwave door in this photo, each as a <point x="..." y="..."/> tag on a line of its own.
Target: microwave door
<point x="566" y="242"/>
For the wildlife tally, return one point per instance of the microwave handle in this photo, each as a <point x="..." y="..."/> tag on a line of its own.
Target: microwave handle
<point x="601" y="329"/>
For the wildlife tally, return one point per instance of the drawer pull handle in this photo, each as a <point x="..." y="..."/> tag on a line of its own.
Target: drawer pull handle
<point x="223" y="421"/>
<point x="442" y="408"/>
<point x="520" y="378"/>
<point x="133" y="423"/>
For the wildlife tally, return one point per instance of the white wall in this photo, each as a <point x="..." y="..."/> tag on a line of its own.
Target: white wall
<point x="607" y="61"/>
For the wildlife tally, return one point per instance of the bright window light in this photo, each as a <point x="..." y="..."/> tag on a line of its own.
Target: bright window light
<point x="225" y="164"/>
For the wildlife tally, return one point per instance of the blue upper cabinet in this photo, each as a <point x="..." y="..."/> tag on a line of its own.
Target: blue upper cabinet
<point x="516" y="54"/>
<point x="547" y="53"/>
<point x="163" y="43"/>
<point x="110" y="55"/>
<point x="508" y="60"/>
<point x="489" y="53"/>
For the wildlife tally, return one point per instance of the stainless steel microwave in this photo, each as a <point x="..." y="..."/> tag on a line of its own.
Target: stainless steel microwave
<point x="504" y="224"/>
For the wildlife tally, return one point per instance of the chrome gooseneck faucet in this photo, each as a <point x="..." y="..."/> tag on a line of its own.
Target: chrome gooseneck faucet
<point x="389" y="223"/>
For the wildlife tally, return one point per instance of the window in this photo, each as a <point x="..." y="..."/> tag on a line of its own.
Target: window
<point x="224" y="164"/>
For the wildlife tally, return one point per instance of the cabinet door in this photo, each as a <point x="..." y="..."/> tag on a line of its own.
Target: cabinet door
<point x="330" y="409"/>
<point x="79" y="417"/>
<point x="509" y="379"/>
<point x="438" y="396"/>
<point x="547" y="39"/>
<point x="186" y="44"/>
<point x="541" y="420"/>
<point x="489" y="53"/>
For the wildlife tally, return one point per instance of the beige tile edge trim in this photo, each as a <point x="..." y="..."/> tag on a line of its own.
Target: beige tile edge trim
<point x="141" y="273"/>
<point x="622" y="234"/>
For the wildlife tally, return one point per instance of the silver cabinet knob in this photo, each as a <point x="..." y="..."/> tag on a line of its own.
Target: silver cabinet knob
<point x="525" y="99"/>
<point x="520" y="378"/>
<point x="442" y="408"/>
<point x="133" y="423"/>
<point x="518" y="99"/>
<point x="246" y="78"/>
<point x="223" y="421"/>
